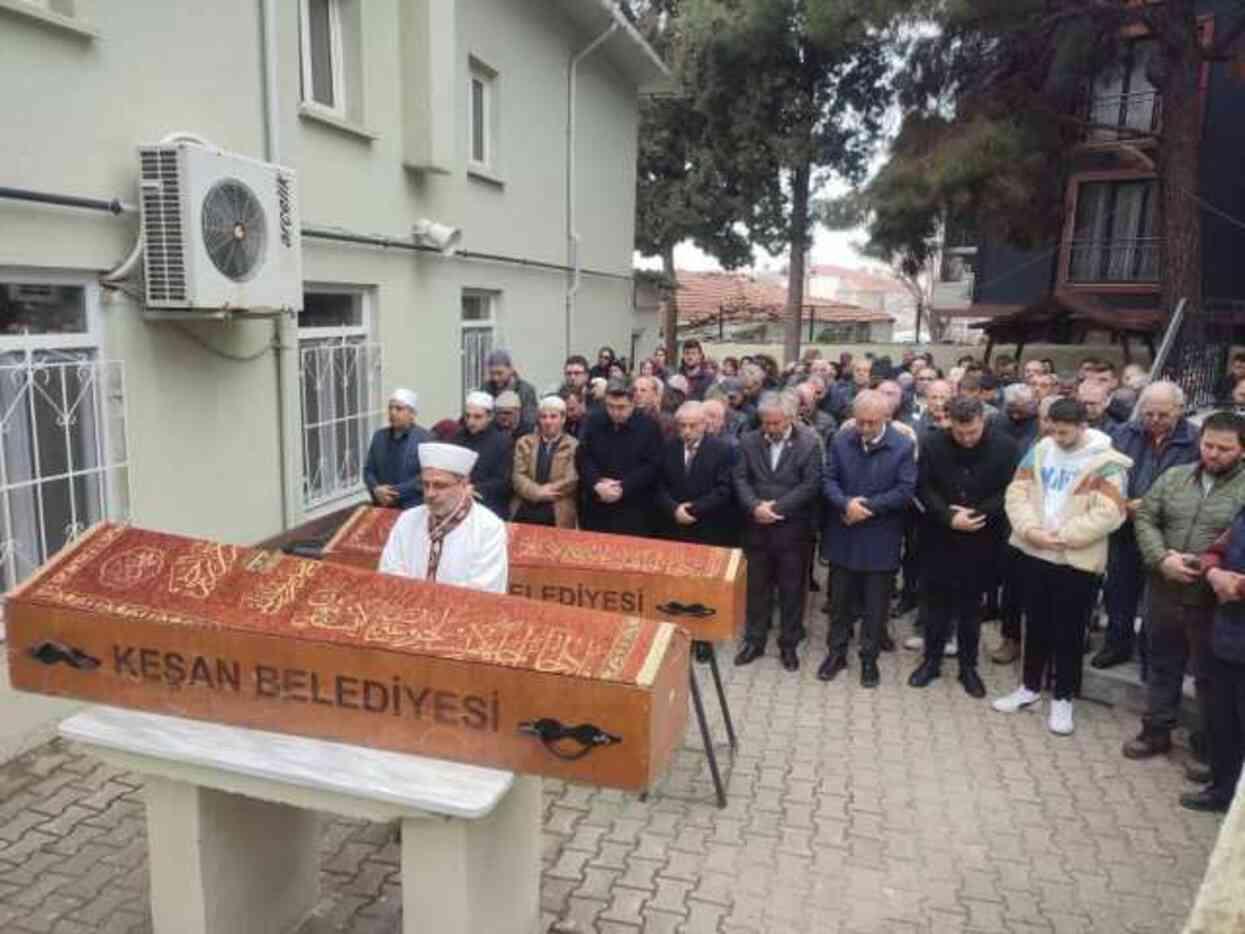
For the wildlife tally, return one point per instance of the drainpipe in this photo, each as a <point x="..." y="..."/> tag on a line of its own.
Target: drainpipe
<point x="284" y="336"/>
<point x="572" y="235"/>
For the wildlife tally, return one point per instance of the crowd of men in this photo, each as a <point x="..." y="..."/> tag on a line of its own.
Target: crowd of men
<point x="1013" y="492"/>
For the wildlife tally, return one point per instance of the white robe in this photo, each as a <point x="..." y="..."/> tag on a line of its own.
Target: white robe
<point x="474" y="555"/>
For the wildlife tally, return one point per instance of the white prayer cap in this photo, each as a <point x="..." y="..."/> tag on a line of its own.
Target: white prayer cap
<point x="552" y="404"/>
<point x="449" y="457"/>
<point x="480" y="400"/>
<point x="405" y="397"/>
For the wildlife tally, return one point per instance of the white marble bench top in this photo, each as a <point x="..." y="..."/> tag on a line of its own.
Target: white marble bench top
<point x="433" y="786"/>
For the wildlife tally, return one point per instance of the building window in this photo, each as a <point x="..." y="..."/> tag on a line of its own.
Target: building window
<point x="479" y="335"/>
<point x="340" y="379"/>
<point x="1123" y="96"/>
<point x="482" y="109"/>
<point x="1115" y="238"/>
<point x="63" y="451"/>
<point x="323" y="51"/>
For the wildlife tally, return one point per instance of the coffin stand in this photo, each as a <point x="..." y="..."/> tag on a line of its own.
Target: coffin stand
<point x="703" y="589"/>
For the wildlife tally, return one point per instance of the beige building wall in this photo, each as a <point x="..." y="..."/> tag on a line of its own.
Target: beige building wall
<point x="204" y="438"/>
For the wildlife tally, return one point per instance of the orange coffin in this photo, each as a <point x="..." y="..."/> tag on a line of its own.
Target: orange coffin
<point x="216" y="632"/>
<point x="699" y="587"/>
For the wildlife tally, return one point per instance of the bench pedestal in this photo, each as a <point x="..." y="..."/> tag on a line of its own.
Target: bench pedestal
<point x="233" y="826"/>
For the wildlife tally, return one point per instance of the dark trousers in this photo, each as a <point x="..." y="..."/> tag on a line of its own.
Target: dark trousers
<point x="1011" y="604"/>
<point x="780" y="569"/>
<point x="851" y="592"/>
<point x="1126" y="582"/>
<point x="1225" y="722"/>
<point x="1179" y="638"/>
<point x="953" y="606"/>
<point x="910" y="566"/>
<point x="1057" y="603"/>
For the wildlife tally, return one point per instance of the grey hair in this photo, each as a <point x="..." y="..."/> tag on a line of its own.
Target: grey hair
<point x="656" y="383"/>
<point x="784" y="403"/>
<point x="1160" y="387"/>
<point x="690" y="409"/>
<point x="1018" y="394"/>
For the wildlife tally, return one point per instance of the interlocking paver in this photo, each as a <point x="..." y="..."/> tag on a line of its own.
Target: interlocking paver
<point x="892" y="810"/>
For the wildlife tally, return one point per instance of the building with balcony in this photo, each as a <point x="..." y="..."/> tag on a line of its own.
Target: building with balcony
<point x="1101" y="280"/>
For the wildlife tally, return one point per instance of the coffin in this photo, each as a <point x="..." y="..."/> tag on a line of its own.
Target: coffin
<point x="198" y="629"/>
<point x="699" y="587"/>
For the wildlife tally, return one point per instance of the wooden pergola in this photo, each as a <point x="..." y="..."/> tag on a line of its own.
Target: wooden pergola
<point x="1067" y="318"/>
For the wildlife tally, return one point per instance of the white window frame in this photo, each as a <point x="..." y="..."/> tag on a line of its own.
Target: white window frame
<point x="478" y="71"/>
<point x="492" y="323"/>
<point x="112" y="442"/>
<point x="360" y="335"/>
<point x="337" y="74"/>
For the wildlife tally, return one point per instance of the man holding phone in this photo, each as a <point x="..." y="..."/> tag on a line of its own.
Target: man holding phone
<point x="1185" y="511"/>
<point x="963" y="476"/>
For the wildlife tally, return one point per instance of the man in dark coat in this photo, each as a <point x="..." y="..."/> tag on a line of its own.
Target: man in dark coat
<point x="844" y="392"/>
<point x="392" y="469"/>
<point x="963" y="479"/>
<point x="490" y="477"/>
<point x="502" y="376"/>
<point x="1159" y="438"/>
<point x="868" y="482"/>
<point x="619" y="455"/>
<point x="777" y="480"/>
<point x="699" y="376"/>
<point x="694" y="486"/>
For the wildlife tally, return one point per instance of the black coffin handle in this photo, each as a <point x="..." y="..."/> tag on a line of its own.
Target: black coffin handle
<point x="51" y="653"/>
<point x="551" y="732"/>
<point x="697" y="610"/>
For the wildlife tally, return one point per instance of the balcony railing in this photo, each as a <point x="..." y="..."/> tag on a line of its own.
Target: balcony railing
<point x="1131" y="113"/>
<point x="1110" y="261"/>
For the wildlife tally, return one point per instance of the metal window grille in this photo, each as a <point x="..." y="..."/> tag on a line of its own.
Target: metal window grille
<point x="63" y="453"/>
<point x="341" y="407"/>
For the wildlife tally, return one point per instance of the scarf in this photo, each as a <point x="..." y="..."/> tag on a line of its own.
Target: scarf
<point x="439" y="529"/>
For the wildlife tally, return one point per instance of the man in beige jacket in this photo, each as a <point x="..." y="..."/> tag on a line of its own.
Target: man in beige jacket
<point x="1067" y="497"/>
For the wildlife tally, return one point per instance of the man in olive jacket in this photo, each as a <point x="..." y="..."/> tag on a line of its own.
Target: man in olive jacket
<point x="1183" y="513"/>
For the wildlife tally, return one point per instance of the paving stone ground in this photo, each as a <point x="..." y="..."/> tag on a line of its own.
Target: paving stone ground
<point x="891" y="810"/>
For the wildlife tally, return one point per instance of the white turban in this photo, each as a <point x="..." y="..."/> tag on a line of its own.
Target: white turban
<point x="405" y="397"/>
<point x="451" y="457"/>
<point x="480" y="400"/>
<point x="552" y="404"/>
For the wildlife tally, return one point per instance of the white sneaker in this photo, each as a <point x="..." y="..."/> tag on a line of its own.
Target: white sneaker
<point x="1018" y="699"/>
<point x="914" y="644"/>
<point x="951" y="649"/>
<point x="1060" y="717"/>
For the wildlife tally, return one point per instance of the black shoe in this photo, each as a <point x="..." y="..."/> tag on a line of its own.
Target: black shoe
<point x="1110" y="656"/>
<point x="1205" y="800"/>
<point x="831" y="667"/>
<point x="749" y="653"/>
<point x="703" y="652"/>
<point x="927" y="671"/>
<point x="1148" y="743"/>
<point x="790" y="661"/>
<point x="972" y="683"/>
<point x="886" y="643"/>
<point x="1198" y="772"/>
<point x="869" y="676"/>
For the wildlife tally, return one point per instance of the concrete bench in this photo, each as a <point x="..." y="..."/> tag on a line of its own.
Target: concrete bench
<point x="233" y="826"/>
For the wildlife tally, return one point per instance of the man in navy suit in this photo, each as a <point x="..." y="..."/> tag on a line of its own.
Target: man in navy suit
<point x="694" y="486"/>
<point x="392" y="469"/>
<point x="869" y="481"/>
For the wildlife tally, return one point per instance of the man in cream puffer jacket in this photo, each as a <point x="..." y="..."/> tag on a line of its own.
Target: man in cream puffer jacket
<point x="1067" y="497"/>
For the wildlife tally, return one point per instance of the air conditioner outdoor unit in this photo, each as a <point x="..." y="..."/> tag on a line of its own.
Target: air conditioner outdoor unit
<point x="221" y="230"/>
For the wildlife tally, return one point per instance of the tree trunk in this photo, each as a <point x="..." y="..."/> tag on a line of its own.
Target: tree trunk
<point x="920" y="310"/>
<point x="1180" y="219"/>
<point x="670" y="321"/>
<point x="801" y="181"/>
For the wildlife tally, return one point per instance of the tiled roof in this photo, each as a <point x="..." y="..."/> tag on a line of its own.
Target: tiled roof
<point x="703" y="296"/>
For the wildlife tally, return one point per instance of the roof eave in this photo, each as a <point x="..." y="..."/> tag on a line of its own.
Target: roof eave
<point x="637" y="60"/>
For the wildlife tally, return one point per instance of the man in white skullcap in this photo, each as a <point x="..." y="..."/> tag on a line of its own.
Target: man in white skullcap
<point x="450" y="539"/>
<point x="494" y="449"/>
<point x="392" y="469"/>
